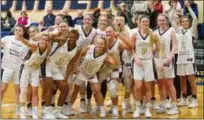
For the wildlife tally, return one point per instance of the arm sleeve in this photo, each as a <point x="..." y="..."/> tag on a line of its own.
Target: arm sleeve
<point x="194" y="22"/>
<point x="171" y="19"/>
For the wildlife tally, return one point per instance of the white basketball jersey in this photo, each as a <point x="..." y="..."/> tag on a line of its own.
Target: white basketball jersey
<point x="90" y="64"/>
<point x="133" y="31"/>
<point x="85" y="39"/>
<point x="63" y="55"/>
<point x="185" y="47"/>
<point x="14" y="52"/>
<point x="100" y="33"/>
<point x="36" y="59"/>
<point x="115" y="49"/>
<point x="143" y="46"/>
<point x="165" y="42"/>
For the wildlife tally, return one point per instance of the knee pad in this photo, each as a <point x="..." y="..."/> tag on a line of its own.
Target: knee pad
<point x="23" y="94"/>
<point x="113" y="88"/>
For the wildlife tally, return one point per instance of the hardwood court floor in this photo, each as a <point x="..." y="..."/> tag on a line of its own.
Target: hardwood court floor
<point x="8" y="107"/>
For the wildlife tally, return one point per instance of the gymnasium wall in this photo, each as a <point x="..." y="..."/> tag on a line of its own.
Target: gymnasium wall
<point x="37" y="8"/>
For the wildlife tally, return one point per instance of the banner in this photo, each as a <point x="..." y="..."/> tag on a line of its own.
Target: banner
<point x="35" y="5"/>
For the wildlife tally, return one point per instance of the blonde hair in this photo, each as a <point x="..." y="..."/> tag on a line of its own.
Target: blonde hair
<point x="47" y="35"/>
<point x="34" y="27"/>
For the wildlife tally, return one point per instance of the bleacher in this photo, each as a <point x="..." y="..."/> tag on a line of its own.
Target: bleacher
<point x="199" y="54"/>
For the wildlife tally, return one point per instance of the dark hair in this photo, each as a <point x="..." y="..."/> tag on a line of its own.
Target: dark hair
<point x="9" y="14"/>
<point x="171" y="1"/>
<point x="184" y="17"/>
<point x="34" y="27"/>
<point x="25" y="31"/>
<point x="159" y="1"/>
<point x="143" y="16"/>
<point x="74" y="31"/>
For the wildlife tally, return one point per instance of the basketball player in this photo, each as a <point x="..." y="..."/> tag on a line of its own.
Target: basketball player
<point x="102" y="25"/>
<point x="186" y="58"/>
<point x="175" y="20"/>
<point x="143" y="69"/>
<point x="168" y="41"/>
<point x="30" y="72"/>
<point x="63" y="61"/>
<point x="116" y="44"/>
<point x="88" y="64"/>
<point x="14" y="52"/>
<point x="87" y="36"/>
<point x="32" y="31"/>
<point x="119" y="27"/>
<point x="55" y="75"/>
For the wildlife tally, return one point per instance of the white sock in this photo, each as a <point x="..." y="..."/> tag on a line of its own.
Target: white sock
<point x="173" y="104"/>
<point x="163" y="102"/>
<point x="35" y="110"/>
<point x="137" y="103"/>
<point x="148" y="105"/>
<point x="68" y="99"/>
<point x="127" y="101"/>
<point x="59" y="108"/>
<point x="18" y="106"/>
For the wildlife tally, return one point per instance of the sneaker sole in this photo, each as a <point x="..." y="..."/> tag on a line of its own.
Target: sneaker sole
<point x="173" y="114"/>
<point x="192" y="107"/>
<point x="136" y="117"/>
<point x="148" y="117"/>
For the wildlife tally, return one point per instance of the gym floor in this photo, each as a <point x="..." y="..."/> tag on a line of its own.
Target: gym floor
<point x="8" y="107"/>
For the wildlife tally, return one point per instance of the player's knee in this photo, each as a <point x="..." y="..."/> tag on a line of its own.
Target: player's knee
<point x="96" y="91"/>
<point x="113" y="88"/>
<point x="138" y="87"/>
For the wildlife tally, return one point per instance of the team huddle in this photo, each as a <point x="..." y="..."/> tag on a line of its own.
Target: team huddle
<point x="85" y="60"/>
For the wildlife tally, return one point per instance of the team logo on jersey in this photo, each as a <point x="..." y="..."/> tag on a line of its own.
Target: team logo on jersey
<point x="144" y="51"/>
<point x="60" y="61"/>
<point x="35" y="64"/>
